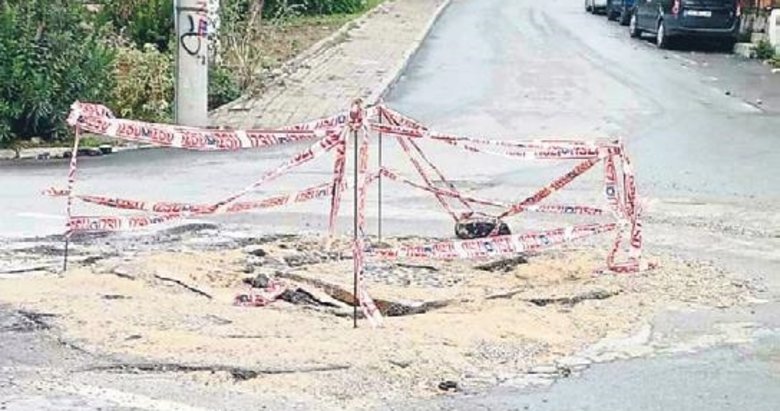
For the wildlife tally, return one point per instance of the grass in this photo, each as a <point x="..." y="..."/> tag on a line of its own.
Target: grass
<point x="281" y="41"/>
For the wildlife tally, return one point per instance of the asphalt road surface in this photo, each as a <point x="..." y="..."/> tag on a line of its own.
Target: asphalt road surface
<point x="702" y="128"/>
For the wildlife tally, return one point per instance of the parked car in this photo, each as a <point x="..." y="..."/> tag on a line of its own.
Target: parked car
<point x="595" y="6"/>
<point x="619" y="10"/>
<point x="672" y="19"/>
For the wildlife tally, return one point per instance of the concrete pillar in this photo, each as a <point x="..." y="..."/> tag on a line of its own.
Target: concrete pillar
<point x="192" y="63"/>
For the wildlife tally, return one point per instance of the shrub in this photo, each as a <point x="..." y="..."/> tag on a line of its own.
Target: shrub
<point x="222" y="87"/>
<point x="51" y="57"/>
<point x="144" y="84"/>
<point x="142" y="21"/>
<point x="764" y="50"/>
<point x="313" y="7"/>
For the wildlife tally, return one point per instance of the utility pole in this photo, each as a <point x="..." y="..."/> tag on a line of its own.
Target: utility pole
<point x="192" y="62"/>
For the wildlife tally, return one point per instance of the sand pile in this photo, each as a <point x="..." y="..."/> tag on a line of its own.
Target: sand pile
<point x="497" y="324"/>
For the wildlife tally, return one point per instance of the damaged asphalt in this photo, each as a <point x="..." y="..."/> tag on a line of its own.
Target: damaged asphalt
<point x="707" y="162"/>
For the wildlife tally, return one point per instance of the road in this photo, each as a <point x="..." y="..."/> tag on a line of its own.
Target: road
<point x="700" y="126"/>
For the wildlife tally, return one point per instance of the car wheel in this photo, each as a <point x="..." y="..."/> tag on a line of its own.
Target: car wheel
<point x="609" y="11"/>
<point x="727" y="45"/>
<point x="661" y="39"/>
<point x="625" y="17"/>
<point x="633" y="27"/>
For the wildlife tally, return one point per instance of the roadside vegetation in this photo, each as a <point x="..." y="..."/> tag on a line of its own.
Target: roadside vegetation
<point x="120" y="53"/>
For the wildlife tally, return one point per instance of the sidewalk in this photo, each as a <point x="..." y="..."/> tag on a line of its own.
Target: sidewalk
<point x="361" y="60"/>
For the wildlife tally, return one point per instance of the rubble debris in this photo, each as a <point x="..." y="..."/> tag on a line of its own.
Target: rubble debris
<point x="188" y="287"/>
<point x="258" y="281"/>
<point x="28" y="321"/>
<point x="297" y="295"/>
<point x="505" y="265"/>
<point x="598" y="294"/>
<point x="115" y="297"/>
<point x="552" y="371"/>
<point x="449" y="385"/>
<point x="189" y="228"/>
<point x="257" y="252"/>
<point x="238" y="373"/>
<point x="479" y="228"/>
<point x="507" y="294"/>
<point x="91" y="260"/>
<point x="418" y="266"/>
<point x="121" y="272"/>
<point x="400" y="363"/>
<point x="215" y="319"/>
<point x="26" y="270"/>
<point x="274" y="238"/>
<point x="386" y="308"/>
<point x="310" y="258"/>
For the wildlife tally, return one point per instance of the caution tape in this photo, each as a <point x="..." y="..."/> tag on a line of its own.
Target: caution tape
<point x="367" y="304"/>
<point x="116" y="223"/>
<point x="497" y="245"/>
<point x="546" y="191"/>
<point x="307" y="194"/>
<point x="99" y="120"/>
<point x="262" y="298"/>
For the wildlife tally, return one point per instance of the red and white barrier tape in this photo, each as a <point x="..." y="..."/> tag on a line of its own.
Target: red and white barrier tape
<point x="497" y="245"/>
<point x="116" y="223"/>
<point x="99" y="120"/>
<point x="72" y="169"/>
<point x="395" y="176"/>
<point x="255" y="298"/>
<point x="315" y="150"/>
<point x="546" y="191"/>
<point x="339" y="165"/>
<point x="307" y="194"/>
<point x="367" y="304"/>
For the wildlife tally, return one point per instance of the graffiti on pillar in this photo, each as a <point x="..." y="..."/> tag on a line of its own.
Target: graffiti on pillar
<point x="198" y="37"/>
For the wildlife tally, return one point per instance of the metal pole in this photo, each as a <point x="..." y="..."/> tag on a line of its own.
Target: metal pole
<point x="65" y="260"/>
<point x="355" y="231"/>
<point x="379" y="186"/>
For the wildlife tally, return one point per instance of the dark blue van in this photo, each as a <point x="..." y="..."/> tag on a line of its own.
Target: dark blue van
<point x="620" y="10"/>
<point x="669" y="20"/>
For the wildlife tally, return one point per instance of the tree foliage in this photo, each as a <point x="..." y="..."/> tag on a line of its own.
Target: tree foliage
<point x="141" y="21"/>
<point x="51" y="57"/>
<point x="144" y="84"/>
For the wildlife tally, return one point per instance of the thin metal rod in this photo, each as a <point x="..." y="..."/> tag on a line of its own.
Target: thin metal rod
<point x="65" y="259"/>
<point x="355" y="231"/>
<point x="379" y="187"/>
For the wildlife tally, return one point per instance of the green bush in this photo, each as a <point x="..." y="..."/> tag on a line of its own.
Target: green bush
<point x="222" y="87"/>
<point x="141" y="21"/>
<point x="144" y="84"/>
<point x="764" y="50"/>
<point x="313" y="7"/>
<point x="51" y="57"/>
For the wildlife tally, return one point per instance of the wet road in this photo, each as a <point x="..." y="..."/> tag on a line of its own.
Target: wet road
<point x="702" y="129"/>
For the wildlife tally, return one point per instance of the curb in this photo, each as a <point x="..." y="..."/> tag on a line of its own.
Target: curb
<point x="379" y="95"/>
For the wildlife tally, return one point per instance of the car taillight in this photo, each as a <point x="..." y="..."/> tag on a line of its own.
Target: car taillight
<point x="676" y="7"/>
